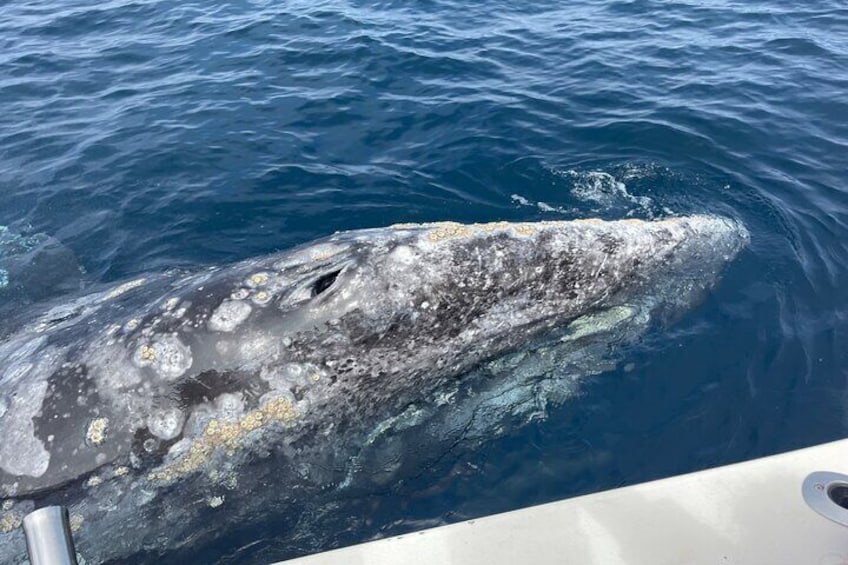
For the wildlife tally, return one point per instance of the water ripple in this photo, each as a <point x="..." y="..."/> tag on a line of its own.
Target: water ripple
<point x="151" y="134"/>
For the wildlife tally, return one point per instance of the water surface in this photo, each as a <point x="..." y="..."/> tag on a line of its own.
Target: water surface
<point x="152" y="134"/>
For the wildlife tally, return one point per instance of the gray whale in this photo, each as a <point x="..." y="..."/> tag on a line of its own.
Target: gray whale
<point x="164" y="410"/>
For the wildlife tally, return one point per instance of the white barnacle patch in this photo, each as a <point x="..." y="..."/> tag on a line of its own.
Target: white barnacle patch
<point x="224" y="347"/>
<point x="229" y="315"/>
<point x="403" y="254"/>
<point x="166" y="423"/>
<point x="75" y="522"/>
<point x="171" y="303"/>
<point x="121" y="289"/>
<point x="131" y="325"/>
<point x="173" y="358"/>
<point x="97" y="431"/>
<point x="216" y="501"/>
<point x="230" y="406"/>
<point x="167" y="355"/>
<point x="240" y="294"/>
<point x="230" y="481"/>
<point x="10" y="521"/>
<point x="256" y="345"/>
<point x="284" y="378"/>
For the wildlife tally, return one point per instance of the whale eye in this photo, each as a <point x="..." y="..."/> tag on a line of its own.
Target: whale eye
<point x="324" y="282"/>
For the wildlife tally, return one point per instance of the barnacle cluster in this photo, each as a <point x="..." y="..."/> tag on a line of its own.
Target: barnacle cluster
<point x="75" y="522"/>
<point x="225" y="435"/>
<point x="10" y="521"/>
<point x="451" y="230"/>
<point x="97" y="431"/>
<point x="121" y="289"/>
<point x="229" y="315"/>
<point x="448" y="230"/>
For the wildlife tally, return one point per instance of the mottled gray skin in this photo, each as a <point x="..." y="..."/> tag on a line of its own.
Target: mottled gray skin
<point x="172" y="408"/>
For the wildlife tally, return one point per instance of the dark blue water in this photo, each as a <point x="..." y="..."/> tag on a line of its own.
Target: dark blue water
<point x="150" y="134"/>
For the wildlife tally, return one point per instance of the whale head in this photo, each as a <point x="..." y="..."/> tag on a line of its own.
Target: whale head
<point x="444" y="294"/>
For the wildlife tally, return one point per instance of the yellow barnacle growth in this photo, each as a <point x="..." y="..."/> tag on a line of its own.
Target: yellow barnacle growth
<point x="524" y="229"/>
<point x="121" y="289"/>
<point x="226" y="436"/>
<point x="492" y="226"/>
<point x="447" y="230"/>
<point x="259" y="279"/>
<point x="10" y="521"/>
<point x="197" y="455"/>
<point x="252" y="421"/>
<point x="451" y="230"/>
<point x="261" y="298"/>
<point x="97" y="430"/>
<point x="75" y="522"/>
<point x="148" y="353"/>
<point x="211" y="428"/>
<point x="280" y="409"/>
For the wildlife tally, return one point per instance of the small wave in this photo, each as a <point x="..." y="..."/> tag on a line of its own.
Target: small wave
<point x="34" y="266"/>
<point x="543" y="206"/>
<point x="12" y="243"/>
<point x="613" y="191"/>
<point x="602" y="188"/>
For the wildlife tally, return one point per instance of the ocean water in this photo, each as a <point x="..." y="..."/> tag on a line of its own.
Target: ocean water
<point x="152" y="134"/>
